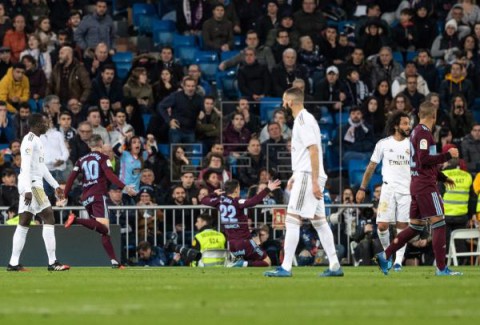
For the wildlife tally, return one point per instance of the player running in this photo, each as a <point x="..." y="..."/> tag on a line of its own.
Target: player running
<point x="235" y="222"/>
<point x="394" y="206"/>
<point x="96" y="170"/>
<point x="306" y="184"/>
<point x="427" y="204"/>
<point x="35" y="201"/>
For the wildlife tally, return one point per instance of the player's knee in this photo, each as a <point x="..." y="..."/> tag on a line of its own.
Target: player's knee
<point x="382" y="226"/>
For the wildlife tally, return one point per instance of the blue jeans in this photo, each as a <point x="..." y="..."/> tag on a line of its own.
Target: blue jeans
<point x="181" y="136"/>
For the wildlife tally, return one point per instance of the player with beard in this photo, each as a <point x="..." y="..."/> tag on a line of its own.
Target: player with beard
<point x="394" y="154"/>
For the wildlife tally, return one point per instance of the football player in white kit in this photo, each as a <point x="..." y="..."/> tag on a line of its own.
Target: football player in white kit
<point x="33" y="200"/>
<point x="394" y="205"/>
<point x="306" y="186"/>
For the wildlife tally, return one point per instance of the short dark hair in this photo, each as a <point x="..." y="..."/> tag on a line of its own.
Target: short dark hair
<point x="19" y="65"/>
<point x="24" y="105"/>
<point x="8" y="172"/>
<point x="93" y="109"/>
<point x="209" y="97"/>
<point x="296" y="93"/>
<point x="230" y="186"/>
<point x="143" y="246"/>
<point x="65" y="112"/>
<point x="108" y="66"/>
<point x="393" y="121"/>
<point x="207" y="218"/>
<point x="121" y="110"/>
<point x="35" y="119"/>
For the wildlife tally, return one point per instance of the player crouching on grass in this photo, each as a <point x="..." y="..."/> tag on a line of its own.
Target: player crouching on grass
<point x="96" y="170"/>
<point x="235" y="222"/>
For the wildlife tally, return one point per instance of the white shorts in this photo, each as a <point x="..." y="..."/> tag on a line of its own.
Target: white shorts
<point x="39" y="202"/>
<point x="393" y="206"/>
<point x="302" y="201"/>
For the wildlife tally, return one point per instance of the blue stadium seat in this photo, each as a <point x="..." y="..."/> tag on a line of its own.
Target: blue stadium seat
<point x="186" y="54"/>
<point x="163" y="25"/>
<point x="341" y="118"/>
<point x="354" y="167"/>
<point x="3" y="146"/>
<point x="144" y="25"/>
<point x="476" y="115"/>
<point x="411" y="55"/>
<point x="355" y="178"/>
<point x="376" y="179"/>
<point x="267" y="106"/>
<point x="163" y="32"/>
<point x="398" y="56"/>
<point x="228" y="55"/>
<point x="239" y="42"/>
<point x="124" y="57"/>
<point x="227" y="83"/>
<point x="208" y="63"/>
<point x="164" y="149"/>
<point x="184" y="40"/>
<point x="146" y="119"/>
<point x="142" y="9"/>
<point x="343" y="23"/>
<point x="332" y="161"/>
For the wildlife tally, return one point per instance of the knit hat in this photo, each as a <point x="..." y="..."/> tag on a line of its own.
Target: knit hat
<point x="452" y="23"/>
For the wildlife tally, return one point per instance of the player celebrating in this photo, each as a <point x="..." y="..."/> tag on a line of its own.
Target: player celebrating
<point x="427" y="202"/>
<point x="96" y="172"/>
<point x="30" y="186"/>
<point x="394" y="153"/>
<point x="306" y="184"/>
<point x="235" y="222"/>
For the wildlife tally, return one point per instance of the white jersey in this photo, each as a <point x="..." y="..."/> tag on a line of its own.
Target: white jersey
<point x="33" y="168"/>
<point x="395" y="158"/>
<point x="305" y="133"/>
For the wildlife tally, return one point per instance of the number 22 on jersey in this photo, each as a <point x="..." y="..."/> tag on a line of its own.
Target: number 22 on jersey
<point x="228" y="213"/>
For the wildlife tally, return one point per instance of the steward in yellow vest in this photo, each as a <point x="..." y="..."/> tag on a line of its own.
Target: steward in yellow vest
<point x="476" y="189"/>
<point x="208" y="238"/>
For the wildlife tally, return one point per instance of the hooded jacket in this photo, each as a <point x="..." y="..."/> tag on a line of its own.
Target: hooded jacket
<point x="452" y="86"/>
<point x="471" y="153"/>
<point x="79" y="83"/>
<point x="10" y="88"/>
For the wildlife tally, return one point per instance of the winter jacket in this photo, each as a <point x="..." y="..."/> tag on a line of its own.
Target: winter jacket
<point x="114" y="93"/>
<point x="380" y="72"/>
<point x="10" y="88"/>
<point x="94" y="29"/>
<point x="232" y="136"/>
<point x="38" y="82"/>
<point x="43" y="59"/>
<point x="263" y="53"/>
<point x="400" y="84"/>
<point x="134" y="89"/>
<point x="283" y="79"/>
<point x="217" y="33"/>
<point x="451" y="86"/>
<point x="17" y="42"/>
<point x="209" y="126"/>
<point x="79" y="84"/>
<point x="254" y="79"/>
<point x="184" y="109"/>
<point x="471" y="153"/>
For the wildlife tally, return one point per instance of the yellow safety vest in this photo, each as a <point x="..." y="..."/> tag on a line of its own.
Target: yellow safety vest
<point x="456" y="200"/>
<point x="211" y="239"/>
<point x="476" y="188"/>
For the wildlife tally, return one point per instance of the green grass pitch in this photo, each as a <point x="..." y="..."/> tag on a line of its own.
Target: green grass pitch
<point x="238" y="296"/>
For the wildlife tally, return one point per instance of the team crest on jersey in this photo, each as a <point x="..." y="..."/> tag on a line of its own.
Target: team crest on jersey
<point x="28" y="151"/>
<point x="407" y="152"/>
<point x="423" y="144"/>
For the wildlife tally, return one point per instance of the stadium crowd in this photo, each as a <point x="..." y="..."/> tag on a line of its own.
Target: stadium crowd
<point x="171" y="129"/>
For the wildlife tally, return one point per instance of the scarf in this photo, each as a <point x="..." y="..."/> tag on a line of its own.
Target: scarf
<point x="187" y="10"/>
<point x="350" y="135"/>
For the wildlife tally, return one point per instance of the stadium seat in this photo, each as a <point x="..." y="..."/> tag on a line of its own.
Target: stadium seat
<point x="144" y="25"/>
<point x="355" y="178"/>
<point x="462" y="234"/>
<point x="228" y="55"/>
<point x="227" y="84"/>
<point x="341" y="118"/>
<point x="398" y="56"/>
<point x="184" y="40"/>
<point x="123" y="57"/>
<point x="267" y="106"/>
<point x="354" y="167"/>
<point x="3" y="146"/>
<point x="208" y="63"/>
<point x="332" y="161"/>
<point x="343" y="23"/>
<point x="376" y="179"/>
<point x="142" y="9"/>
<point x="411" y="55"/>
<point x="163" y="32"/>
<point x="146" y="119"/>
<point x="239" y="42"/>
<point x="164" y="149"/>
<point x="186" y="54"/>
<point x="476" y="115"/>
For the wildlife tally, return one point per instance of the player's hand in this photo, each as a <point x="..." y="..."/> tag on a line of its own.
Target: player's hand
<point x="272" y="186"/>
<point x="59" y="193"/>
<point x="130" y="190"/>
<point x="360" y="196"/>
<point x="453" y="152"/>
<point x="28" y="198"/>
<point x="219" y="192"/>
<point x="58" y="162"/>
<point x="450" y="183"/>
<point x="290" y="184"/>
<point x="317" y="191"/>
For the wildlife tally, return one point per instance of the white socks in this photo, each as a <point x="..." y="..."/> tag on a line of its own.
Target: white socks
<point x="326" y="238"/>
<point x="292" y="237"/>
<point x="18" y="242"/>
<point x="401" y="252"/>
<point x="48" y="234"/>
<point x="384" y="237"/>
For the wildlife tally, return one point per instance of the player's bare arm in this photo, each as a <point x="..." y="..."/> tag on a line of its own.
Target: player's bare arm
<point x="59" y="193"/>
<point x="28" y="197"/>
<point x="314" y="161"/>
<point x="366" y="179"/>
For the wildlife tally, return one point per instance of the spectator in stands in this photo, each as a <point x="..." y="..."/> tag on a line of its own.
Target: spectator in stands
<point x="147" y="178"/>
<point x="185" y="106"/>
<point x="383" y="94"/>
<point x="95" y="28"/>
<point x="48" y="38"/>
<point x="217" y="32"/>
<point x="454" y="84"/>
<point x="236" y="135"/>
<point x="230" y="13"/>
<point x="263" y="54"/>
<point x="446" y="44"/>
<point x="279" y="117"/>
<point x="177" y="198"/>
<point x="286" y="24"/>
<point x="63" y="39"/>
<point x="248" y="12"/>
<point x="211" y="181"/>
<point x="78" y="115"/>
<point x="426" y="26"/>
<point x="310" y="55"/>
<point x="253" y="78"/>
<point x="7" y="132"/>
<point x="106" y="85"/>
<point x="373" y="38"/>
<point x="179" y="160"/>
<point x="374" y="115"/>
<point x="252" y="121"/>
<point x="373" y="13"/>
<point x="14" y="87"/>
<point x="79" y="144"/>
<point x="134" y="116"/>
<point x="209" y="123"/>
<point x="400" y="82"/>
<point x="108" y="151"/>
<point x="461" y="119"/>
<point x="463" y="21"/>
<point x="93" y="117"/>
<point x="167" y="61"/>
<point x="400" y="103"/>
<point x="60" y="12"/>
<point x="106" y="113"/>
<point x="330" y="90"/>
<point x="203" y="86"/>
<point x="36" y="79"/>
<point x="8" y="188"/>
<point x="51" y="106"/>
<point x="69" y="79"/>
<point x="187" y="181"/>
<point x="405" y="33"/>
<point x="73" y="23"/>
<point x="41" y="56"/>
<point x="250" y="163"/>
<point x="5" y="22"/>
<point x="215" y="162"/>
<point x="357" y="60"/>
<point x="282" y="42"/>
<point x="268" y="21"/>
<point x="191" y="15"/>
<point x="274" y="146"/>
<point x="138" y="86"/>
<point x="384" y="66"/>
<point x="286" y="72"/>
<point x="5" y="60"/>
<point x="328" y="42"/>
<point x="120" y="126"/>
<point x="356" y="136"/>
<point x="16" y="38"/>
<point x="356" y="91"/>
<point x="264" y="176"/>
<point x="95" y="60"/>
<point x="65" y="126"/>
<point x="165" y="85"/>
<point x="310" y="20"/>
<point x="426" y="68"/>
<point x="20" y="121"/>
<point x="148" y="226"/>
<point x="412" y="93"/>
<point x="471" y="149"/>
